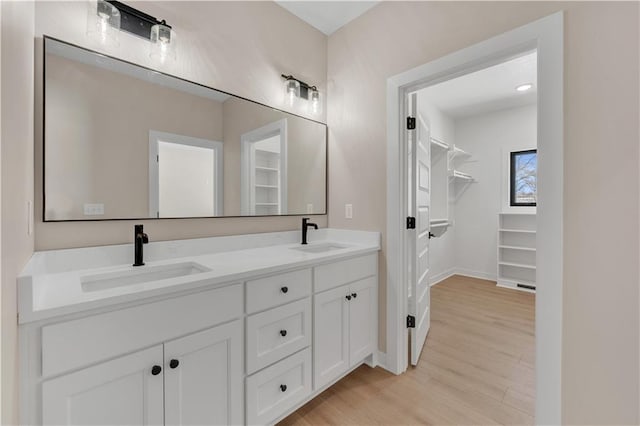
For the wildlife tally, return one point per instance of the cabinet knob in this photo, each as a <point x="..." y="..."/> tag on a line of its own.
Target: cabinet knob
<point x="348" y="297"/>
<point x="283" y="388"/>
<point x="284" y="289"/>
<point x="283" y="333"/>
<point x="354" y="295"/>
<point x="156" y="369"/>
<point x="174" y="363"/>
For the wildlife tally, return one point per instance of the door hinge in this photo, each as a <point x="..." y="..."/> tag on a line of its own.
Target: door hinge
<point x="411" y="222"/>
<point x="411" y="123"/>
<point x="411" y="321"/>
<point x="157" y="158"/>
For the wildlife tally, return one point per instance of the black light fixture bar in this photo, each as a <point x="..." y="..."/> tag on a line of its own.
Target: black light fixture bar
<point x="304" y="87"/>
<point x="134" y="21"/>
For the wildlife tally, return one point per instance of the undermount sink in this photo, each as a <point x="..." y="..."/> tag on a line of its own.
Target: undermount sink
<point x="320" y="248"/>
<point x="139" y="275"/>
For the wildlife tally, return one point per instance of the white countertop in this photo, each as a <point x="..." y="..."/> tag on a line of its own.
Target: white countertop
<point x="51" y="285"/>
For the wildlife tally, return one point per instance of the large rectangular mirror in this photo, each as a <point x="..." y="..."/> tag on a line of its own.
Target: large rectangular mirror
<point x="125" y="142"/>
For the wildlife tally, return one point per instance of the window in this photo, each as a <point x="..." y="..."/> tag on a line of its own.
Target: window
<point x="523" y="178"/>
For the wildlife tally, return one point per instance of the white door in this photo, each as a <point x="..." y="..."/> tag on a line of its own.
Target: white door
<point x="203" y="377"/>
<point x="331" y="335"/>
<point x="124" y="391"/>
<point x="418" y="238"/>
<point x="362" y="316"/>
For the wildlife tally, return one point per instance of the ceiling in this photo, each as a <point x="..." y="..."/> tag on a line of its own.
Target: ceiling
<point x="487" y="90"/>
<point x="327" y="16"/>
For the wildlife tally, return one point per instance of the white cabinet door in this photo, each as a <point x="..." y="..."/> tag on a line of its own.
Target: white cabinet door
<point x="123" y="391"/>
<point x="203" y="377"/>
<point x="362" y="317"/>
<point x="331" y="335"/>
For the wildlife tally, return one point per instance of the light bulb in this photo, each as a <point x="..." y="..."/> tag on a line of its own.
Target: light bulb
<point x="292" y="91"/>
<point x="315" y="101"/>
<point x="103" y="22"/>
<point x="524" y="87"/>
<point x="163" y="42"/>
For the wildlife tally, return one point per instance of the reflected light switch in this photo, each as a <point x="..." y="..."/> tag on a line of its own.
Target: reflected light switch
<point x="348" y="211"/>
<point x="309" y="208"/>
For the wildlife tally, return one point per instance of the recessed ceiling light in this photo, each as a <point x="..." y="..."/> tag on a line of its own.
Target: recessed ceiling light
<point x="524" y="87"/>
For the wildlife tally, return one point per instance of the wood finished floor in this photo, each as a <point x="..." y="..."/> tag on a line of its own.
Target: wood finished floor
<point x="477" y="367"/>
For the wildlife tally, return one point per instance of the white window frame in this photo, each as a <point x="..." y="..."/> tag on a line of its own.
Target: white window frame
<point x="154" y="186"/>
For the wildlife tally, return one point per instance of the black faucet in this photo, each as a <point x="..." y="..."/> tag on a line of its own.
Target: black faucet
<point x="139" y="239"/>
<point x="306" y="224"/>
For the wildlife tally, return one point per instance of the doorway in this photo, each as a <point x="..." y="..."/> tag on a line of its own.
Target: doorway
<point x="544" y="36"/>
<point x="185" y="176"/>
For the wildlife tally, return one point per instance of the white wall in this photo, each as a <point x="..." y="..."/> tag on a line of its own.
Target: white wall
<point x="17" y="181"/>
<point x="239" y="47"/>
<point x="600" y="345"/>
<point x="489" y="138"/>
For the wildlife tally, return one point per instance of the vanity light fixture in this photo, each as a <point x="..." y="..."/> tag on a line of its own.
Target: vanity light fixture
<point x="294" y="89"/>
<point x="524" y="87"/>
<point x="108" y="17"/>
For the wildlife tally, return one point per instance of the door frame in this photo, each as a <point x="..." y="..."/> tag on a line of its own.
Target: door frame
<point x="247" y="139"/>
<point x="545" y="35"/>
<point x="154" y="171"/>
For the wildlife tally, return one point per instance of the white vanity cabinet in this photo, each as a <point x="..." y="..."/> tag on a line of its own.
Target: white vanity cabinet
<point x="249" y="351"/>
<point x="194" y="380"/>
<point x="343" y="333"/>
<point x="345" y="316"/>
<point x="118" y="392"/>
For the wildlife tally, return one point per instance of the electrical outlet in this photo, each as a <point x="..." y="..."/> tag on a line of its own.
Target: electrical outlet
<point x="93" y="209"/>
<point x="348" y="211"/>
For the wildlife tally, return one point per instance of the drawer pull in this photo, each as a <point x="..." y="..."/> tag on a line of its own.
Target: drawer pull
<point x="174" y="363"/>
<point x="348" y="297"/>
<point x="283" y="333"/>
<point x="283" y="388"/>
<point x="284" y="289"/>
<point x="156" y="369"/>
<point x="354" y="295"/>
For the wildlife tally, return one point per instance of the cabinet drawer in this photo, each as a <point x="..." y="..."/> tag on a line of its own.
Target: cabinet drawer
<point x="343" y="272"/>
<point x="277" y="389"/>
<point x="265" y="293"/>
<point x="276" y="333"/>
<point x="76" y="343"/>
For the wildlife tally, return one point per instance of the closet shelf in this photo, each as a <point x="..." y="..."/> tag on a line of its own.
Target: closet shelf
<point x="459" y="153"/>
<point x="269" y="169"/>
<point x="517" y="265"/>
<point x="523" y="231"/>
<point x="435" y="143"/>
<point x="517" y="248"/>
<point x="456" y="174"/>
<point x="267" y="186"/>
<point x="266" y="204"/>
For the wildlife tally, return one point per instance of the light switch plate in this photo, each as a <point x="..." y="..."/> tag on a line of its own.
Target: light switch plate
<point x="93" y="209"/>
<point x="348" y="211"/>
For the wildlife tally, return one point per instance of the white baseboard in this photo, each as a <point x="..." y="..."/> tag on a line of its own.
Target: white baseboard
<point x="442" y="276"/>
<point x="464" y="272"/>
<point x="476" y="274"/>
<point x="378" y="360"/>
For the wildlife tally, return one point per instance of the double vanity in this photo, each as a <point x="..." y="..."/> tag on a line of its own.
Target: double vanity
<point x="224" y="330"/>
